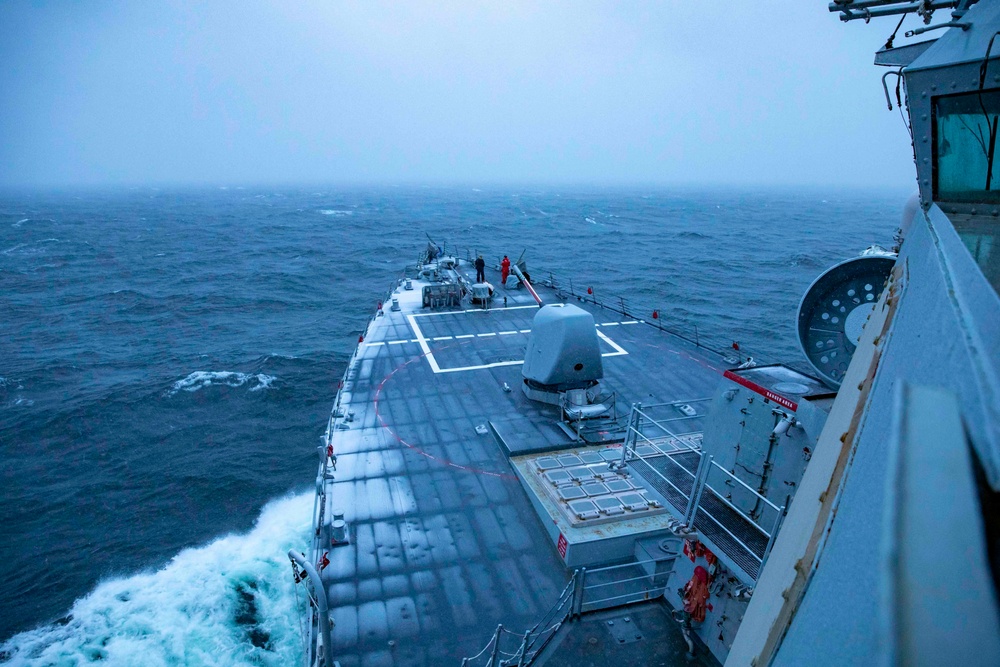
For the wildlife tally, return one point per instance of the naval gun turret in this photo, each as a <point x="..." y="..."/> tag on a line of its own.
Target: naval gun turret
<point x="563" y="366"/>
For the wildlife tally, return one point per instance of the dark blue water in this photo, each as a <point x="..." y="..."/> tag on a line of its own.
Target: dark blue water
<point x="168" y="360"/>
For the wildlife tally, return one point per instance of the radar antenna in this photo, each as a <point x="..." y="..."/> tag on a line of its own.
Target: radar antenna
<point x="866" y="10"/>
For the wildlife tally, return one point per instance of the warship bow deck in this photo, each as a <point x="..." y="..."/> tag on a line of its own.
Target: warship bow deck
<point x="442" y="541"/>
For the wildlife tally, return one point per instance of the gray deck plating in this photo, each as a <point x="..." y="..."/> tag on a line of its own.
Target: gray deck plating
<point x="444" y="542"/>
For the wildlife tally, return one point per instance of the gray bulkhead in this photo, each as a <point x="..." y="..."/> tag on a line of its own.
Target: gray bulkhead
<point x="898" y="569"/>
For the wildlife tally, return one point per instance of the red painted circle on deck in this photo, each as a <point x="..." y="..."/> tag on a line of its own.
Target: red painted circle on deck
<point x="418" y="450"/>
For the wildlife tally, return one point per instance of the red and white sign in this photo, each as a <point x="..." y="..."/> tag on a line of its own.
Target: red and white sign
<point x="561" y="545"/>
<point x="763" y="391"/>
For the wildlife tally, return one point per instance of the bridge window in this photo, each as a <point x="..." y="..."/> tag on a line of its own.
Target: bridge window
<point x="965" y="144"/>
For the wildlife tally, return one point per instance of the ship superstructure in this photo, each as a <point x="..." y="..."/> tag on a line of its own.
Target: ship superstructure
<point x="516" y="472"/>
<point x="890" y="553"/>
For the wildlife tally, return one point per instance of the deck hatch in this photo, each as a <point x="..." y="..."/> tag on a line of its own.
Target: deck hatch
<point x="569" y="460"/>
<point x="547" y="463"/>
<point x="634" y="501"/>
<point x="585" y="509"/>
<point x="572" y="493"/>
<point x="558" y="477"/>
<point x="618" y="485"/>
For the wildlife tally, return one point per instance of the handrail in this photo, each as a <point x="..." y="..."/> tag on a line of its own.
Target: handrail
<point x="572" y="601"/>
<point x="663" y="477"/>
<point x="744" y="484"/>
<point x="637" y="595"/>
<point x="616" y="597"/>
<point x="608" y="568"/>
<point x="655" y="445"/>
<point x="616" y="581"/>
<point x="675" y="403"/>
<point x="658" y="424"/>
<point x="718" y="344"/>
<point x="544" y="629"/>
<point x="322" y="607"/>
<point x="669" y="446"/>
<point x="729" y="532"/>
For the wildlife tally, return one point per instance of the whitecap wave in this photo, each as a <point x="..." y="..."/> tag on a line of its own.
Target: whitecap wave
<point x="203" y="379"/>
<point x="24" y="246"/>
<point x="10" y="383"/>
<point x="21" y="402"/>
<point x="231" y="602"/>
<point x="21" y="222"/>
<point x="335" y="212"/>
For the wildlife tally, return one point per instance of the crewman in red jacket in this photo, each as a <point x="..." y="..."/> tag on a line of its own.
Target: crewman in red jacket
<point x="504" y="270"/>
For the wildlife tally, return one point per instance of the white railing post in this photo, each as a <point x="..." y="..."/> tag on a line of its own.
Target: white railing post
<point x="578" y="591"/>
<point x="496" y="646"/>
<point x="695" y="488"/>
<point x="702" y="483"/>
<point x="774" y="531"/>
<point x="524" y="649"/>
<point x="632" y="429"/>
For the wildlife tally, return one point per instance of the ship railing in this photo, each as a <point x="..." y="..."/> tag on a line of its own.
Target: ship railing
<point x="765" y="519"/>
<point x="700" y="489"/>
<point x="660" y="318"/>
<point x="507" y="648"/>
<point x="648" y="437"/>
<point x="588" y="590"/>
<point x="619" y="585"/>
<point x="659" y="431"/>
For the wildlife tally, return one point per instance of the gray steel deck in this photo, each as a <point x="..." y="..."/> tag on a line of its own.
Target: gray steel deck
<point x="444" y="542"/>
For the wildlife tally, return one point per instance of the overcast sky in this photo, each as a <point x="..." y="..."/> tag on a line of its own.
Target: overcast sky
<point x="223" y="93"/>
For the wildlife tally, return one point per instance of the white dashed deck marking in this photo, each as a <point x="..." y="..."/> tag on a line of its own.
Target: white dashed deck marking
<point x="436" y="367"/>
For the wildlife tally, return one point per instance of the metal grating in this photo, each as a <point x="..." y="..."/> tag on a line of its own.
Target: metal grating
<point x="746" y="531"/>
<point x="668" y="467"/>
<point x="749" y="533"/>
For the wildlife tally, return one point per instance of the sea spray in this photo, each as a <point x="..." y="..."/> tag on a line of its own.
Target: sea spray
<point x="202" y="379"/>
<point x="230" y="602"/>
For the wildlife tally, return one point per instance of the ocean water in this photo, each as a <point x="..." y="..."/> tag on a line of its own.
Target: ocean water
<point x="168" y="360"/>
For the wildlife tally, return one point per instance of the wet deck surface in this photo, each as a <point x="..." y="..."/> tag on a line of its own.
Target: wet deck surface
<point x="444" y="541"/>
<point x="637" y="636"/>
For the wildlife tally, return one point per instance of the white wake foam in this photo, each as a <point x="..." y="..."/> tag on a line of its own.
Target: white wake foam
<point x="335" y="212"/>
<point x="202" y="379"/>
<point x="229" y="603"/>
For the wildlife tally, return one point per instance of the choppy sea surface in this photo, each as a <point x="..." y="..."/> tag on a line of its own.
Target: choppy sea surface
<point x="168" y="359"/>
